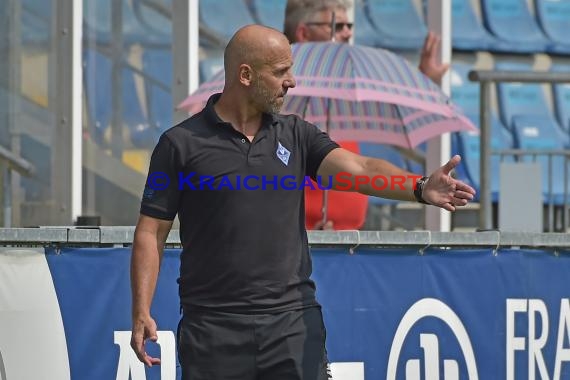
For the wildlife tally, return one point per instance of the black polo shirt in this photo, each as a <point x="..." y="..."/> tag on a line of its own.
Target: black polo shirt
<point x="241" y="209"/>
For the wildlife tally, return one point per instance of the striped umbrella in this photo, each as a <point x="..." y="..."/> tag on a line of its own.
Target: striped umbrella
<point x="359" y="93"/>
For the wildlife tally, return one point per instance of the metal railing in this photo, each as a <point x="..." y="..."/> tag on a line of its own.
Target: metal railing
<point x="112" y="236"/>
<point x="549" y="195"/>
<point x="486" y="78"/>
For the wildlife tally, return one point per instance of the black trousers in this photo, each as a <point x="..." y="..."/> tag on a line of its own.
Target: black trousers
<point x="224" y="346"/>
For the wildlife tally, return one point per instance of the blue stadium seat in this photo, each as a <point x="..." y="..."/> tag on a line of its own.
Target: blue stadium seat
<point x="464" y="92"/>
<point x="516" y="99"/>
<point x="364" y="32"/>
<point x="157" y="65"/>
<point x="210" y="66"/>
<point x="512" y="22"/>
<point x="385" y="152"/>
<point x="225" y="17"/>
<point x="270" y="13"/>
<point x="561" y="97"/>
<point x="468" y="32"/>
<point x="542" y="132"/>
<point x="399" y="25"/>
<point x="554" y="18"/>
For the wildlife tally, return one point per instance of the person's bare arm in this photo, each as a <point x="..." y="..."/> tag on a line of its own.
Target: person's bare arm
<point x="380" y="178"/>
<point x="148" y="245"/>
<point x="365" y="174"/>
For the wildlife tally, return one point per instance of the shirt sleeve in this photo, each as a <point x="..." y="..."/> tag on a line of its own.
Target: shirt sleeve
<point x="318" y="145"/>
<point x="161" y="195"/>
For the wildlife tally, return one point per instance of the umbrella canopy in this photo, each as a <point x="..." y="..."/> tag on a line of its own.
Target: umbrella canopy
<point x="359" y="93"/>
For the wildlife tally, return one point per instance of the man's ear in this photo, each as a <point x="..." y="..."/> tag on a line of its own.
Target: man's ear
<point x="302" y="33"/>
<point x="245" y="74"/>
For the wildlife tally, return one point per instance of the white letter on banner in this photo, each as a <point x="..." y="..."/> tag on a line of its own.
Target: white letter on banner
<point x="429" y="343"/>
<point x="129" y="364"/>
<point x="513" y="343"/>
<point x="347" y="371"/>
<point x="167" y="344"/>
<point x="535" y="345"/>
<point x="562" y="354"/>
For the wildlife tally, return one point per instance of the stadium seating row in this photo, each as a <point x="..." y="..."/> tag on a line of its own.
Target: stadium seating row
<point x="505" y="26"/>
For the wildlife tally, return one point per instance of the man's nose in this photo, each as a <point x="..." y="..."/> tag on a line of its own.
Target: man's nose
<point x="290" y="83"/>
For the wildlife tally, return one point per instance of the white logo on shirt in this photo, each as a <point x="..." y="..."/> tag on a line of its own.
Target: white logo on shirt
<point x="283" y="154"/>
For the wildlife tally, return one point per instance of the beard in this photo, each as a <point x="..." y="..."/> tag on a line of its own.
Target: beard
<point x="267" y="101"/>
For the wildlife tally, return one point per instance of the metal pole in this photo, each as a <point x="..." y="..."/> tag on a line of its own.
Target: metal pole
<point x="566" y="208"/>
<point x="438" y="18"/>
<point x="185" y="52"/>
<point x="117" y="54"/>
<point x="485" y="212"/>
<point x="13" y="105"/>
<point x="7" y="183"/>
<point x="550" y="196"/>
<point x="325" y="204"/>
<point x="66" y="179"/>
<point x="76" y="109"/>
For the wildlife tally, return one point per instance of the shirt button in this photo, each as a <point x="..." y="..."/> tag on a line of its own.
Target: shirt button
<point x="243" y="141"/>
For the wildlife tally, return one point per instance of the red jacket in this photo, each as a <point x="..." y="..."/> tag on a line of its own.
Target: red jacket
<point x="347" y="210"/>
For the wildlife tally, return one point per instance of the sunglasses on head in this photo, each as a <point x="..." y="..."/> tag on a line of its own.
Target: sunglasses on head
<point x="339" y="26"/>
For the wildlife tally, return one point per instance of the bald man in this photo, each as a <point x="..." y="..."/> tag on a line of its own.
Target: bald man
<point x="237" y="170"/>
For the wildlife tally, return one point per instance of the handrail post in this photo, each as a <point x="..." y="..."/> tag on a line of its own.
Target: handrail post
<point x="566" y="208"/>
<point x="550" y="196"/>
<point x="485" y="212"/>
<point x="6" y="191"/>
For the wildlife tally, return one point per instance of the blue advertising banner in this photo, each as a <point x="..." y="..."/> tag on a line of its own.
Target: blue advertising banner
<point x="448" y="314"/>
<point x="390" y="314"/>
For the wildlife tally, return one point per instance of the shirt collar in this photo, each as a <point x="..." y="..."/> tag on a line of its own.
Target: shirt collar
<point x="213" y="118"/>
<point x="210" y="112"/>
